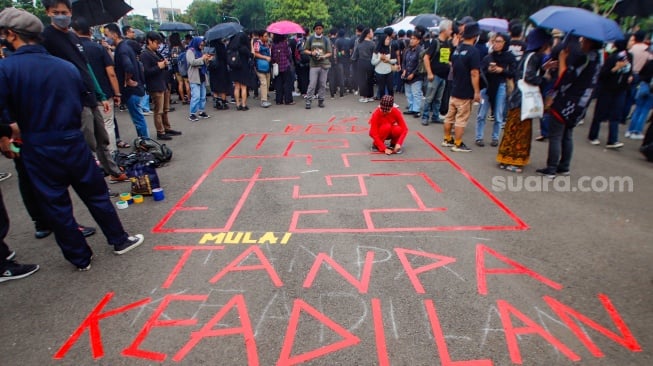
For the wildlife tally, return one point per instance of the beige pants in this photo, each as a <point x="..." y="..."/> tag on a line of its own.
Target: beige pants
<point x="264" y="79"/>
<point x="161" y="106"/>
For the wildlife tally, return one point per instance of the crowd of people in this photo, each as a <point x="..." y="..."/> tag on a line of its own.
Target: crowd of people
<point x="443" y="74"/>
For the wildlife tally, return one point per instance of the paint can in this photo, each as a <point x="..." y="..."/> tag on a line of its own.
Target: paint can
<point x="157" y="194"/>
<point x="122" y="205"/>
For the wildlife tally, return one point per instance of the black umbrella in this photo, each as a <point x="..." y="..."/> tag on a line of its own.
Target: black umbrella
<point x="426" y="20"/>
<point x="98" y="12"/>
<point x="223" y="30"/>
<point x="640" y="8"/>
<point x="176" y="27"/>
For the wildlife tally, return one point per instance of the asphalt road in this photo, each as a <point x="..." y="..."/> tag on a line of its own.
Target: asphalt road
<point x="283" y="240"/>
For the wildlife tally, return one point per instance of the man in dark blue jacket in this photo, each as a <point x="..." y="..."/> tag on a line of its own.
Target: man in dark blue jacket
<point x="46" y="103"/>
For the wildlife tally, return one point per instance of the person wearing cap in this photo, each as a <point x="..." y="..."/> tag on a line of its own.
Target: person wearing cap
<point x="319" y="48"/>
<point x="515" y="147"/>
<point x="43" y="102"/>
<point x="387" y="123"/>
<point x="465" y="89"/>
<point x="578" y="69"/>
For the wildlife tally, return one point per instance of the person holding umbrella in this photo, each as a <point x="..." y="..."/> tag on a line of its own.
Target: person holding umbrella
<point x="579" y="66"/>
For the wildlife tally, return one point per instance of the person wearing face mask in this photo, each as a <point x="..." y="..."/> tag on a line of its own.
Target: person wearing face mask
<point x="63" y="43"/>
<point x="46" y="105"/>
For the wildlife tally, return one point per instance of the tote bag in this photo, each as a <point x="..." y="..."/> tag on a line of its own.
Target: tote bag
<point x="532" y="104"/>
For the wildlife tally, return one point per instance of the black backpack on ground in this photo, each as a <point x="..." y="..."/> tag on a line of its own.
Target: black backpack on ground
<point x="161" y="152"/>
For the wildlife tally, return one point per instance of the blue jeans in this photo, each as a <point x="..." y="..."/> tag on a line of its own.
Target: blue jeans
<point x="145" y="103"/>
<point x="643" y="105"/>
<point x="499" y="112"/>
<point x="197" y="97"/>
<point x="434" y="92"/>
<point x="414" y="95"/>
<point x="561" y="146"/>
<point x="133" y="105"/>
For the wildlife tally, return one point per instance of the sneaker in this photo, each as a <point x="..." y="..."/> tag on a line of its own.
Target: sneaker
<point x="173" y="133"/>
<point x="461" y="148"/>
<point x="123" y="177"/>
<point x="417" y="115"/>
<point x="4" y="176"/>
<point x="295" y="94"/>
<point x="540" y="138"/>
<point x="425" y="122"/>
<point x="448" y="143"/>
<point x="479" y="143"/>
<point x="87" y="230"/>
<point x="614" y="145"/>
<point x="494" y="143"/>
<point x="162" y="136"/>
<point x="320" y="103"/>
<point x="14" y="271"/>
<point x="563" y="172"/>
<point x="546" y="172"/>
<point x="595" y="142"/>
<point x="308" y="104"/>
<point x="44" y="233"/>
<point x="147" y="113"/>
<point x="370" y="100"/>
<point x="265" y="104"/>
<point x="129" y="244"/>
<point x="11" y="255"/>
<point x="204" y="115"/>
<point x="636" y="136"/>
<point x="88" y="267"/>
<point x="627" y="134"/>
<point x="362" y="100"/>
<point x="409" y="112"/>
<point x="193" y="118"/>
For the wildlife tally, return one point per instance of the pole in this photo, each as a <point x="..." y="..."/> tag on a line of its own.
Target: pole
<point x="172" y="10"/>
<point x="403" y="9"/>
<point x="435" y="7"/>
<point x="158" y="10"/>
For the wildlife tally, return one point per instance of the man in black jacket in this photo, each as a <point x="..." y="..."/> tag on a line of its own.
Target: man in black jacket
<point x="155" y="68"/>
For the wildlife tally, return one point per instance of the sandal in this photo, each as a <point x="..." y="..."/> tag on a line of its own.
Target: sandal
<point x="123" y="145"/>
<point x="514" y="169"/>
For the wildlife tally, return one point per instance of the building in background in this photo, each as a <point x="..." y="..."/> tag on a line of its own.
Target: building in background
<point x="161" y="15"/>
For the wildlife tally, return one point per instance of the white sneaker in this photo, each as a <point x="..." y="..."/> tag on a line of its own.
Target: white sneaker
<point x="363" y="100"/>
<point x="616" y="145"/>
<point x="295" y="94"/>
<point x="636" y="136"/>
<point x="356" y="92"/>
<point x="370" y="99"/>
<point x="595" y="142"/>
<point x="627" y="134"/>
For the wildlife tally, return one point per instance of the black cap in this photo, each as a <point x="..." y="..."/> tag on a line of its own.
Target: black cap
<point x="318" y="24"/>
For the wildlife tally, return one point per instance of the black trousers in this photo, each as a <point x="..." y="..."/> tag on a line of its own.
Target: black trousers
<point x="336" y="79"/>
<point x="4" y="229"/>
<point x="30" y="200"/>
<point x="283" y="87"/>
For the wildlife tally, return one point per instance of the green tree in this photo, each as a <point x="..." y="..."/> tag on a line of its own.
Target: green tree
<point x="250" y="13"/>
<point x="203" y="12"/>
<point x="138" y="21"/>
<point x="305" y="12"/>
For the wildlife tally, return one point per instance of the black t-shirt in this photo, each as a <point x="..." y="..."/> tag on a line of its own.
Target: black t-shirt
<point x="343" y="47"/>
<point x="463" y="60"/>
<point x="440" y="59"/>
<point x="68" y="46"/>
<point x="99" y="59"/>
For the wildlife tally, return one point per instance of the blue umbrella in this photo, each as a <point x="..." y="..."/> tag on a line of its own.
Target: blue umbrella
<point x="579" y="22"/>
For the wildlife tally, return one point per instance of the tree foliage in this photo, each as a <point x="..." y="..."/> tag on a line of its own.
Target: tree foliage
<point x="304" y="12"/>
<point x="203" y="12"/>
<point x="251" y="13"/>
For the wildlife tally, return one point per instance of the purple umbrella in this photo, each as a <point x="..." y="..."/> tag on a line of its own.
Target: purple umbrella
<point x="493" y="25"/>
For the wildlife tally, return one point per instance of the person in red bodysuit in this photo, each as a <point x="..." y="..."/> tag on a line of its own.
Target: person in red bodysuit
<point x="387" y="122"/>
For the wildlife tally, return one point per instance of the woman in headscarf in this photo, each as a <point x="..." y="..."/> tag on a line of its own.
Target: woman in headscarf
<point x="197" y="78"/>
<point x="498" y="66"/>
<point x="515" y="148"/>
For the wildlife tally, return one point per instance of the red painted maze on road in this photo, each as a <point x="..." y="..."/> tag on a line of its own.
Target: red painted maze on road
<point x="316" y="173"/>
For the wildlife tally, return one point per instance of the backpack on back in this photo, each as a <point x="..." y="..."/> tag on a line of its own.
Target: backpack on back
<point x="182" y="64"/>
<point x="233" y="58"/>
<point x="161" y="153"/>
